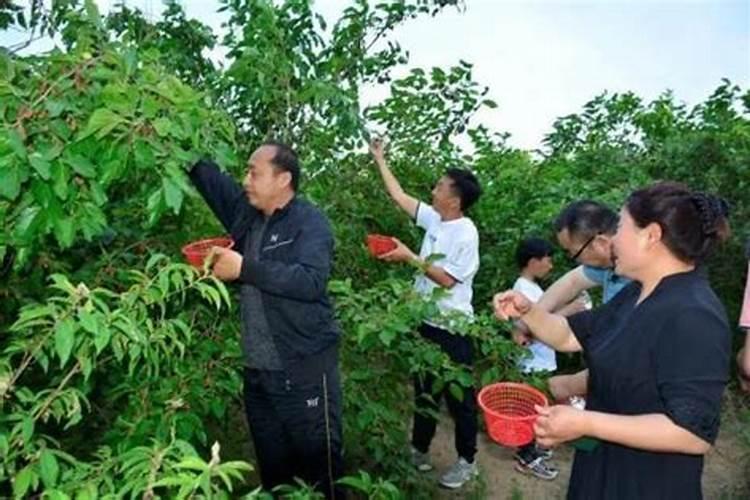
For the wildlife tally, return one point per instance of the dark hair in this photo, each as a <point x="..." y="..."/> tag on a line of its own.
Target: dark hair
<point x="692" y="223"/>
<point x="532" y="248"/>
<point x="465" y="186"/>
<point x="285" y="159"/>
<point x="585" y="219"/>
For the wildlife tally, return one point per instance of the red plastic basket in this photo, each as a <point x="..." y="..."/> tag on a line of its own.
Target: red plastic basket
<point x="509" y="412"/>
<point x="379" y="244"/>
<point x="196" y="252"/>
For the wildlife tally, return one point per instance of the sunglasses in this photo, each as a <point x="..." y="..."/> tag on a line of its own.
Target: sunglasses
<point x="575" y="256"/>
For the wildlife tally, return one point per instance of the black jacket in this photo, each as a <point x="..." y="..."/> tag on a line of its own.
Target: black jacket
<point x="293" y="266"/>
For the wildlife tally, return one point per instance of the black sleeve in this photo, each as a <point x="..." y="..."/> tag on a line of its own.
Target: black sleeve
<point x="692" y="369"/>
<point x="304" y="279"/>
<point x="222" y="193"/>
<point x="583" y="325"/>
<point x="588" y="324"/>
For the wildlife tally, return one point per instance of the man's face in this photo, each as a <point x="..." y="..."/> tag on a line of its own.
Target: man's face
<point x="443" y="196"/>
<point x="594" y="251"/>
<point x="263" y="182"/>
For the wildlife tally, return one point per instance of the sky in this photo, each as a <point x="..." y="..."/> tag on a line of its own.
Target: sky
<point x="543" y="59"/>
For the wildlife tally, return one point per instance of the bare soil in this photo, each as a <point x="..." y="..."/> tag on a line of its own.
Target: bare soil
<point x="726" y="475"/>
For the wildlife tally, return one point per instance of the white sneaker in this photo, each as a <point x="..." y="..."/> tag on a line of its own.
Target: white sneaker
<point x="420" y="460"/>
<point x="461" y="472"/>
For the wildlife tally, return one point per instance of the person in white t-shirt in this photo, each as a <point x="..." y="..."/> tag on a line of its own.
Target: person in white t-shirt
<point x="452" y="236"/>
<point x="534" y="259"/>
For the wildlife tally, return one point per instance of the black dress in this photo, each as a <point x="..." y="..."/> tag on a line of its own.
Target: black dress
<point x="669" y="355"/>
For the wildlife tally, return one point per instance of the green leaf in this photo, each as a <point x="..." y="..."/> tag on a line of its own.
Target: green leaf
<point x="456" y="391"/>
<point x="88" y="321"/>
<point x="7" y="69"/>
<point x="60" y="179"/>
<point x="64" y="339"/>
<point x="97" y="193"/>
<point x="30" y="313"/>
<point x="92" y="12"/>
<point x="387" y="336"/>
<point x="60" y="129"/>
<point x="211" y="294"/>
<point x="101" y="338"/>
<point x="4" y="445"/>
<point x="82" y="166"/>
<point x="172" y="194"/>
<point x="27" y="223"/>
<point x="48" y="469"/>
<point x="87" y="366"/>
<point x="223" y="291"/>
<point x="143" y="154"/>
<point x="10" y="180"/>
<point x="64" y="231"/>
<point x="27" y="429"/>
<point x="91" y="220"/>
<point x="16" y="142"/>
<point x="155" y="206"/>
<point x="112" y="170"/>
<point x="192" y="463"/>
<point x="54" y="108"/>
<point x="163" y="126"/>
<point x="55" y="495"/>
<point x="22" y="481"/>
<point x="40" y="164"/>
<point x="101" y="123"/>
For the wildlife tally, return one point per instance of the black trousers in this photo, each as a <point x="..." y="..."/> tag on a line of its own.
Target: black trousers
<point x="463" y="411"/>
<point x="295" y="422"/>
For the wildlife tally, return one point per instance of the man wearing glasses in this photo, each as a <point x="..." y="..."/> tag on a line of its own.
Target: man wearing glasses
<point x="585" y="230"/>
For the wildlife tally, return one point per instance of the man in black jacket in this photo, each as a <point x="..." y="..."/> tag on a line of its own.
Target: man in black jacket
<point x="281" y="261"/>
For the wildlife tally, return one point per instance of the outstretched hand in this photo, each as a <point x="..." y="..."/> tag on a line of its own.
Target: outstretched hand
<point x="401" y="253"/>
<point x="510" y="305"/>
<point x="377" y="149"/>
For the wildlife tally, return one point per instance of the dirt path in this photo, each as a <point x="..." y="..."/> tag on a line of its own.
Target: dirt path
<point x="726" y="475"/>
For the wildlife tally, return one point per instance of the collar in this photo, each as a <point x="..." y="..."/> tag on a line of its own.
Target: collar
<point x="280" y="212"/>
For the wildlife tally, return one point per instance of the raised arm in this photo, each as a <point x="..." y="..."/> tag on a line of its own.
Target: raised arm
<point x="551" y="329"/>
<point x="407" y="202"/>
<point x="565" y="290"/>
<point x="223" y="194"/>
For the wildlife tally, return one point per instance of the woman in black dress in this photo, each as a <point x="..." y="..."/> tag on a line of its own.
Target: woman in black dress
<point x="658" y="354"/>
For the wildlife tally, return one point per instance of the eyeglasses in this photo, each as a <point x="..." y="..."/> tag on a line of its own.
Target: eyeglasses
<point x="583" y="247"/>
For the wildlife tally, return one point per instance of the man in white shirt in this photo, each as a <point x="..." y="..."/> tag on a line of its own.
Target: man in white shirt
<point x="454" y="237"/>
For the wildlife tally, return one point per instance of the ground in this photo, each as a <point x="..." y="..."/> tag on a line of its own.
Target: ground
<point x="726" y="475"/>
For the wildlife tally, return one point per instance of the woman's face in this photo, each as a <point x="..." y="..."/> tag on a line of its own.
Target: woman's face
<point x="630" y="246"/>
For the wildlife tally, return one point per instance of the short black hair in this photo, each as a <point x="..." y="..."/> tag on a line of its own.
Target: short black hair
<point x="285" y="159"/>
<point x="465" y="186"/>
<point x="533" y="248"/>
<point x="585" y="219"/>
